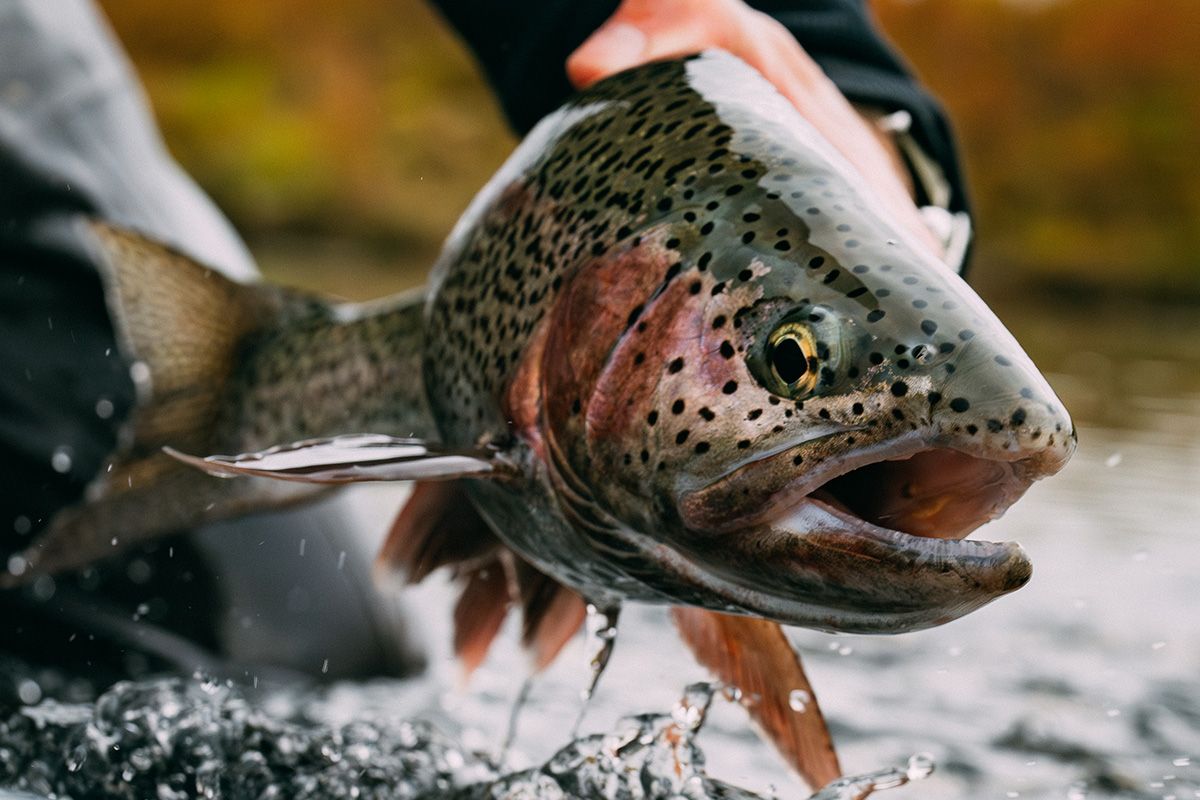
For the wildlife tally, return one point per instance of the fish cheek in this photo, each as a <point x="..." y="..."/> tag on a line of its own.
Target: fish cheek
<point x="665" y="411"/>
<point x="602" y="301"/>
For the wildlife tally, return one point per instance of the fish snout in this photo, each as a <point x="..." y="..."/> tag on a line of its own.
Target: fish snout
<point x="997" y="405"/>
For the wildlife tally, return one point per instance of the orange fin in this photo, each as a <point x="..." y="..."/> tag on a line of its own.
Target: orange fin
<point x="437" y="527"/>
<point x="755" y="656"/>
<point x="480" y="611"/>
<point x="551" y="613"/>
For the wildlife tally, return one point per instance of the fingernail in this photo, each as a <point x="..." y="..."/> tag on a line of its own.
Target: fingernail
<point x="616" y="46"/>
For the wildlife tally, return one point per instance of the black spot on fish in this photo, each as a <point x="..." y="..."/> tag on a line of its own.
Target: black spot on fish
<point x="730" y="387"/>
<point x="675" y="366"/>
<point x="875" y="315"/>
<point x="928" y="327"/>
<point x="677" y="406"/>
<point x="960" y="404"/>
<point x="681" y="437"/>
<point x="899" y="388"/>
<point x="701" y="448"/>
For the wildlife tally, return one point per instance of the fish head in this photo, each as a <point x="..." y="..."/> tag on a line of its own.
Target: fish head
<point x="794" y="420"/>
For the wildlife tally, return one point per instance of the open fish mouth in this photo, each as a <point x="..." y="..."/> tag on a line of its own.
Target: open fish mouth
<point x="876" y="543"/>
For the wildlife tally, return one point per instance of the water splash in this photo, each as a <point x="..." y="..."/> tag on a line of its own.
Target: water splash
<point x="600" y="631"/>
<point x="176" y="738"/>
<point x="857" y="787"/>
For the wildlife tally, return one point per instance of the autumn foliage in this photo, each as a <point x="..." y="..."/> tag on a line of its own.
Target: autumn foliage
<point x="1079" y="122"/>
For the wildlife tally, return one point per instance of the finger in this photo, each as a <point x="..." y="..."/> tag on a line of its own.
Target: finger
<point x="615" y="46"/>
<point x="650" y="30"/>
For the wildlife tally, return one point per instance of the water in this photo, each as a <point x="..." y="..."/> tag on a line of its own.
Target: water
<point x="1082" y="685"/>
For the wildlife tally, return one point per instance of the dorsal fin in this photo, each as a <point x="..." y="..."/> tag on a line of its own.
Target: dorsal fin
<point x="755" y="656"/>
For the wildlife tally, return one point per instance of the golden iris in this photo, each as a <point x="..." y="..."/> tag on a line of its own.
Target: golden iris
<point x="792" y="356"/>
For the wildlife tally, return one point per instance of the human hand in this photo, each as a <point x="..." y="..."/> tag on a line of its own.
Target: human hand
<point x="648" y="30"/>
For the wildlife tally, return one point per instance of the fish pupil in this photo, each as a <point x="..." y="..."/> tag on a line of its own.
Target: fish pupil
<point x="789" y="361"/>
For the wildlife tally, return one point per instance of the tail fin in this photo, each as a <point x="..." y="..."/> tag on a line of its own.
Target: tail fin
<point x="179" y="323"/>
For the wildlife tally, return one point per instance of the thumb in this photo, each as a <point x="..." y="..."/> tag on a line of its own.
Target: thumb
<point x="613" y="47"/>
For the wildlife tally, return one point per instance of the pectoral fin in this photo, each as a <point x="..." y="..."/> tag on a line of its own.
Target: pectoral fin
<point x="755" y="656"/>
<point x="353" y="458"/>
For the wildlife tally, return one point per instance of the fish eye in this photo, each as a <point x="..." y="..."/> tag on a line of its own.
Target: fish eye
<point x="792" y="358"/>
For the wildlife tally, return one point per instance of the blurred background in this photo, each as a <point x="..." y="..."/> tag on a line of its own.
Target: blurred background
<point x="363" y="125"/>
<point x="343" y="139"/>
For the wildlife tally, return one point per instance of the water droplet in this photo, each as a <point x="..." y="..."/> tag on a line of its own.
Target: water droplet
<point x="44" y="588"/>
<point x="16" y="565"/>
<point x="303" y="542"/>
<point x="1077" y="791"/>
<point x="341" y="560"/>
<point x="690" y="711"/>
<point x="920" y="766"/>
<point x="139" y="371"/>
<point x="29" y="692"/>
<point x="325" y="666"/>
<point x="104" y="408"/>
<point x="1158" y="645"/>
<point x="60" y="460"/>
<point x="845" y="650"/>
<point x="600" y="628"/>
<point x="1113" y="461"/>
<point x="798" y="700"/>
<point x="22" y="525"/>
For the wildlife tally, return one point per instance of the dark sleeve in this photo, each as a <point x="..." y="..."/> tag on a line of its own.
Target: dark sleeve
<point x="523" y="53"/>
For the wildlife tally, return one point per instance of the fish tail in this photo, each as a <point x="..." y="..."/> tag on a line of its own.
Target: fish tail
<point x="221" y="366"/>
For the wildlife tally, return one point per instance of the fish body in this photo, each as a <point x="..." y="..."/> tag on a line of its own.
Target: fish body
<point x="674" y="352"/>
<point x="635" y="257"/>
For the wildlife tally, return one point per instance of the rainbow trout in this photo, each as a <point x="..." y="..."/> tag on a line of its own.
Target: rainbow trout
<point x="673" y="352"/>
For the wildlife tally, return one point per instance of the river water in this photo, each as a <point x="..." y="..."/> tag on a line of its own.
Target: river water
<point x="1086" y="683"/>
